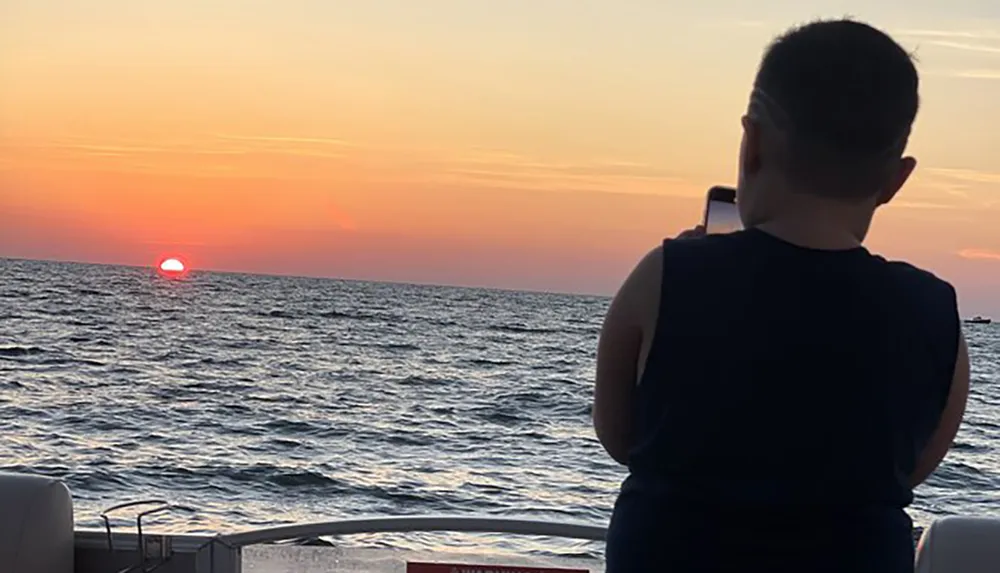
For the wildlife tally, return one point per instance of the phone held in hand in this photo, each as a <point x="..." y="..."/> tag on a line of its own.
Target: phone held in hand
<point x="721" y="215"/>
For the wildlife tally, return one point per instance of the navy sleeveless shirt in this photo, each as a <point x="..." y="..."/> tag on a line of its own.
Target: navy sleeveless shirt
<point x="785" y="401"/>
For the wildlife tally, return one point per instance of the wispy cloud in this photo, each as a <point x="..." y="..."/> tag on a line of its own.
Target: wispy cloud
<point x="922" y="205"/>
<point x="957" y="189"/>
<point x="984" y="74"/>
<point x="238" y="155"/>
<point x="509" y="164"/>
<point x="285" y="139"/>
<point x="959" y="38"/>
<point x="206" y="146"/>
<point x="177" y="244"/>
<point x="499" y="169"/>
<point x="966" y="46"/>
<point x="118" y="149"/>
<point x="966" y="190"/>
<point x="978" y="41"/>
<point x="980" y="254"/>
<point x="948" y="34"/>
<point x="977" y="74"/>
<point x="968" y="175"/>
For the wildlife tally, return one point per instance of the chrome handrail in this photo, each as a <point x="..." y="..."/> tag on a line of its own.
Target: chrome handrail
<point x="418" y="523"/>
<point x="145" y="544"/>
<point x="160" y="505"/>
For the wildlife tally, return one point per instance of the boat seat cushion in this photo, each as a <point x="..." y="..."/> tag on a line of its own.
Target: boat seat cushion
<point x="960" y="545"/>
<point x="36" y="525"/>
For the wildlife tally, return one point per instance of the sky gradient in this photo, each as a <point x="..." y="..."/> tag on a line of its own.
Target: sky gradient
<point x="538" y="144"/>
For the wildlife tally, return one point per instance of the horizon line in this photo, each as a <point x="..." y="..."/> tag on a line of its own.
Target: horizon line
<point x="317" y="277"/>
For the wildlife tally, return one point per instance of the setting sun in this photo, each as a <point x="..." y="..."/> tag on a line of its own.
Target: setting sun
<point x="172" y="266"/>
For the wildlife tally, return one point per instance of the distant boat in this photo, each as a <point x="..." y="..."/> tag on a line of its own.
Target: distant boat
<point x="978" y="320"/>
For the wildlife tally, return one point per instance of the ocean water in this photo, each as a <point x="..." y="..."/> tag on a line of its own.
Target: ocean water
<point x="261" y="400"/>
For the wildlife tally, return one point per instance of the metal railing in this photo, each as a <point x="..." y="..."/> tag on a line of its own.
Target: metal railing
<point x="418" y="523"/>
<point x="143" y="552"/>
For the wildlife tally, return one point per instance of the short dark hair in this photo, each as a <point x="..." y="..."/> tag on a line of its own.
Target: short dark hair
<point x="844" y="95"/>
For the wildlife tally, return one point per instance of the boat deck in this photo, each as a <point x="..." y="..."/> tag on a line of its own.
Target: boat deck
<point x="297" y="559"/>
<point x="283" y="549"/>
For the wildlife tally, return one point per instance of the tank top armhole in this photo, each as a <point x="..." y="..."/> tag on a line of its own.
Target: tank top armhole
<point x="953" y="324"/>
<point x="652" y="359"/>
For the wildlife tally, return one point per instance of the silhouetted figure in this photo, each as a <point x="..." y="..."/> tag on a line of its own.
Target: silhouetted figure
<point x="777" y="392"/>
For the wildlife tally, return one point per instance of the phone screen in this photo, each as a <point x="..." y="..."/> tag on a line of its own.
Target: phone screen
<point x="722" y="217"/>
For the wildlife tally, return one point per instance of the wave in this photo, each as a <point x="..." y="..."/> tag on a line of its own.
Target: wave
<point x="517" y="329"/>
<point x="41" y="357"/>
<point x="284" y="314"/>
<point x="343" y="315"/>
<point x="402" y="346"/>
<point x="20" y="351"/>
<point x="488" y="362"/>
<point x="417" y="380"/>
<point x="327" y="314"/>
<point x="260" y="475"/>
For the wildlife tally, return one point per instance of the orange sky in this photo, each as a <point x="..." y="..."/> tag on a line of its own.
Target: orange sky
<point x="519" y="144"/>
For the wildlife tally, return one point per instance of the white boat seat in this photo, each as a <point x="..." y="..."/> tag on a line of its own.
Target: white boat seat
<point x="36" y="525"/>
<point x="960" y="545"/>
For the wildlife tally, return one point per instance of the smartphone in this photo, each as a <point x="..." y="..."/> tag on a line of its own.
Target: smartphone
<point x="721" y="215"/>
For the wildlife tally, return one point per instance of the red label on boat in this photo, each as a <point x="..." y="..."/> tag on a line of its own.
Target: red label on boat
<point x="465" y="568"/>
